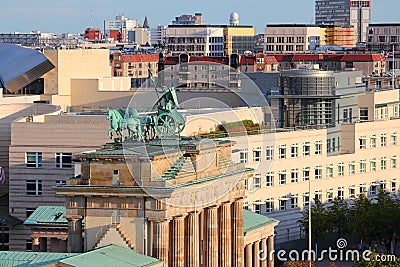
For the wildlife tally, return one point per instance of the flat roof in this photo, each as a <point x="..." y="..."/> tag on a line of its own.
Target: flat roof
<point x="384" y="24"/>
<point x="210" y="25"/>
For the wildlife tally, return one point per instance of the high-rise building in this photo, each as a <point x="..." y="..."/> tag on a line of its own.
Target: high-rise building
<point x="121" y="23"/>
<point x="196" y="19"/>
<point x="344" y="13"/>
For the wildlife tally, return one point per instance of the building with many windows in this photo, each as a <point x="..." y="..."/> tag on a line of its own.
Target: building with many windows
<point x="358" y="156"/>
<point x="291" y="38"/>
<point x="356" y="13"/>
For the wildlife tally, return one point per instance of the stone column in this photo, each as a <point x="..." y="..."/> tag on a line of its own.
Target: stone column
<point x="225" y="235"/>
<point x="249" y="255"/>
<point x="178" y="242"/>
<point x="75" y="240"/>
<point x="35" y="244"/>
<point x="192" y="240"/>
<point x="238" y="233"/>
<point x="256" y="250"/>
<point x="264" y="255"/>
<point x="211" y="249"/>
<point x="161" y="240"/>
<point x="270" y="242"/>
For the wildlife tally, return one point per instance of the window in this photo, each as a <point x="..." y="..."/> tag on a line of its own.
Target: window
<point x="393" y="139"/>
<point x="306" y="149"/>
<point x="306" y="200"/>
<point x="372" y="165"/>
<point x="352" y="167"/>
<point x="294" y="175"/>
<point x="257" y="180"/>
<point x="29" y="211"/>
<point x="352" y="192"/>
<point x="362" y="166"/>
<point x="383" y="185"/>
<point x="63" y="160"/>
<point x="269" y="205"/>
<point x="329" y="195"/>
<point x="362" y="142"/>
<point x="318" y="148"/>
<point x="393" y="162"/>
<point x="383" y="163"/>
<point x="333" y="145"/>
<point x="318" y="195"/>
<point x="317" y="172"/>
<point x="340" y="193"/>
<point x="362" y="188"/>
<point x="282" y="204"/>
<point x="28" y="245"/>
<point x="294" y="202"/>
<point x="243" y="156"/>
<point x="306" y="174"/>
<point x="257" y="154"/>
<point x="269" y="153"/>
<point x="293" y="151"/>
<point x="383" y="140"/>
<point x="328" y="146"/>
<point x="364" y="114"/>
<point x="282" y="178"/>
<point x="34" y="187"/>
<point x="256" y="208"/>
<point x="61" y="182"/>
<point x="269" y="179"/>
<point x="282" y="152"/>
<point x="340" y="169"/>
<point x="33" y="159"/>
<point x="373" y="141"/>
<point x="393" y="186"/>
<point x="329" y="172"/>
<point x="372" y="190"/>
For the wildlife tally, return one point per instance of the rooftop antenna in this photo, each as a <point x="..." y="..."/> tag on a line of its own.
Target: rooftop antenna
<point x="91" y="14"/>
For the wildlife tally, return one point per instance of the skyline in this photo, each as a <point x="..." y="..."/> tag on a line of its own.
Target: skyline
<point x="74" y="16"/>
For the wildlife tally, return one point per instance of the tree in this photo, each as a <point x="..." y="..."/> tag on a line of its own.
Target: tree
<point x="338" y="217"/>
<point x="319" y="221"/>
<point x="362" y="219"/>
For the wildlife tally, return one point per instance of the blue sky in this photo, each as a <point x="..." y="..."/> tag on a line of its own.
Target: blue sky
<point x="74" y="15"/>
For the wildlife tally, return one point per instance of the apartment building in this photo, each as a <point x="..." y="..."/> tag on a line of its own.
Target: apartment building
<point x="357" y="157"/>
<point x="291" y="38"/>
<point x="40" y="158"/>
<point x="340" y="36"/>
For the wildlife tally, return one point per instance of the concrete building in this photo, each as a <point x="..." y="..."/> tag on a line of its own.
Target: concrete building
<point x="291" y="38"/>
<point x="359" y="156"/>
<point x="93" y="34"/>
<point x="36" y="166"/>
<point x="356" y="13"/>
<point x="157" y="35"/>
<point x="121" y="23"/>
<point x="209" y="40"/>
<point x="140" y="36"/>
<point x="196" y="19"/>
<point x="367" y="63"/>
<point x="386" y="37"/>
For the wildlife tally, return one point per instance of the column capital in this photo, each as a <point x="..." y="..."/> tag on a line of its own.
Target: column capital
<point x="179" y="217"/>
<point x="212" y="207"/>
<point x="159" y="220"/>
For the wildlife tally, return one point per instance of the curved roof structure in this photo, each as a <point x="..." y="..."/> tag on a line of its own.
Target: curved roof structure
<point x="19" y="66"/>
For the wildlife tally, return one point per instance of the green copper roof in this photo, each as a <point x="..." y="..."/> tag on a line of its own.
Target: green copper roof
<point x="30" y="259"/>
<point x="47" y="215"/>
<point x="111" y="255"/>
<point x="254" y="221"/>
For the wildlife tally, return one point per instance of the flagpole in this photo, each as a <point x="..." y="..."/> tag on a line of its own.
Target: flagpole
<point x="309" y="220"/>
<point x="393" y="71"/>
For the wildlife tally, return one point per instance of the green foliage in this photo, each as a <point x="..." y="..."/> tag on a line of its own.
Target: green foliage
<point x="370" y="220"/>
